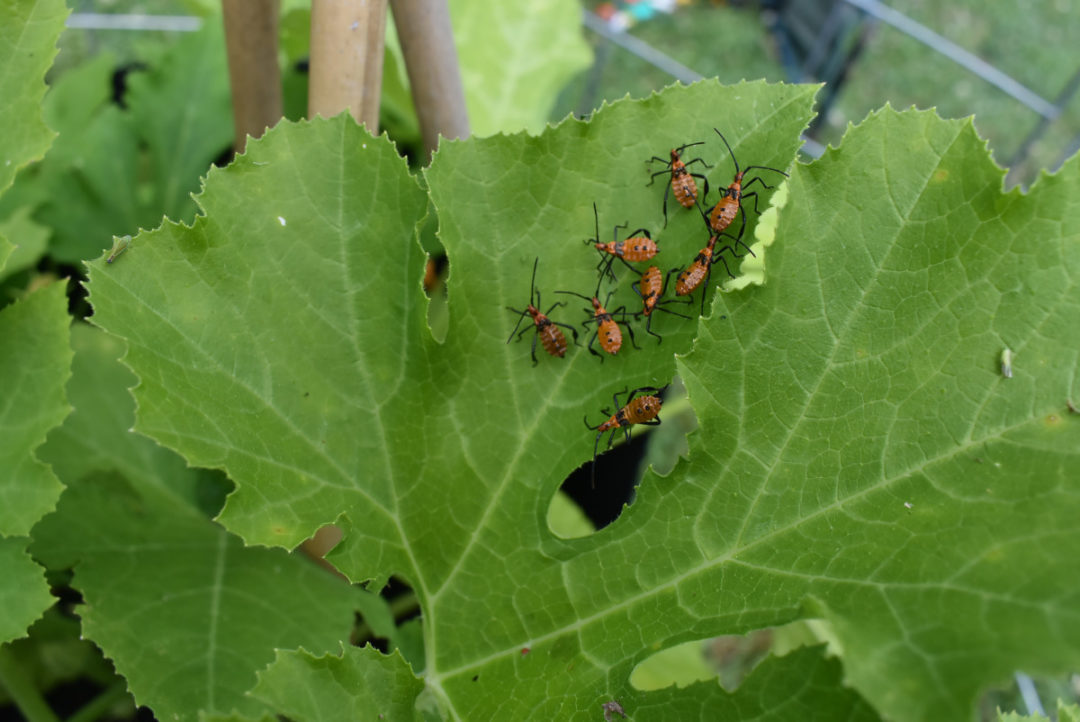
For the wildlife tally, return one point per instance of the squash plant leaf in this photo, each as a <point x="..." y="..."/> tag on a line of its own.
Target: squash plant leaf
<point x="35" y="360"/>
<point x="32" y="240"/>
<point x="282" y="338"/>
<point x="24" y="595"/>
<point x="883" y="473"/>
<point x="802" y="685"/>
<point x="515" y="58"/>
<point x="360" y="684"/>
<point x="852" y="412"/>
<point x="185" y="610"/>
<point x="34" y="351"/>
<point x="7" y="248"/>
<point x="113" y="169"/>
<point x="28" y="33"/>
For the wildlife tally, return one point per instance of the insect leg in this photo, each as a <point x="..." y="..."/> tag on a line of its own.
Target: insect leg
<point x="648" y="329"/>
<point x="704" y="180"/>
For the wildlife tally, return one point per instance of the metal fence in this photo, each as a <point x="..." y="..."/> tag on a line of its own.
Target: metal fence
<point x="821" y="44"/>
<point x="811" y="39"/>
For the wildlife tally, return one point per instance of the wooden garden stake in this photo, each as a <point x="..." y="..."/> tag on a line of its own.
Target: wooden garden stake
<point x="348" y="38"/>
<point x="251" y="38"/>
<point x="427" y="42"/>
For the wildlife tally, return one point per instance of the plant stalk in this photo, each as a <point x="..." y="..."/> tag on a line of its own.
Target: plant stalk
<point x="21" y="688"/>
<point x="251" y="38"/>
<point x="427" y="42"/>
<point x="100" y="705"/>
<point x="348" y="38"/>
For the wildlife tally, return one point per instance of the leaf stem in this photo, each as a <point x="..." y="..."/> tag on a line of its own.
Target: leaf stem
<point x="101" y="704"/>
<point x="24" y="693"/>
<point x="427" y="42"/>
<point x="347" y="43"/>
<point x="400" y="607"/>
<point x="251" y="39"/>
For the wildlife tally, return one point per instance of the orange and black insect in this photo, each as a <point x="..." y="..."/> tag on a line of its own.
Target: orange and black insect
<point x="651" y="289"/>
<point x="552" y="339"/>
<point x="700" y="269"/>
<point x="434" y="271"/>
<point x="722" y="214"/>
<point x="682" y="184"/>
<point x="632" y="248"/>
<point x="637" y="410"/>
<point x="607" y="328"/>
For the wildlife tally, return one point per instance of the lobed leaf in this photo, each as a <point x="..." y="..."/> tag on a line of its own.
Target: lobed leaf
<point x="24" y="595"/>
<point x="113" y="169"/>
<point x="32" y="239"/>
<point x="34" y="352"/>
<point x="882" y="473"/>
<point x="7" y="248"/>
<point x="289" y="348"/>
<point x="360" y="684"/>
<point x="185" y="610"/>
<point x="859" y="456"/>
<point x="515" y="58"/>
<point x="28" y="33"/>
<point x="35" y="361"/>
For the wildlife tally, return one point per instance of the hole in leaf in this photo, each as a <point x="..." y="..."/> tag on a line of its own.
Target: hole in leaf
<point x="578" y="510"/>
<point x="727" y="659"/>
<point x="438" y="313"/>
<point x="389" y="620"/>
<point x="320" y="544"/>
<point x="617" y="475"/>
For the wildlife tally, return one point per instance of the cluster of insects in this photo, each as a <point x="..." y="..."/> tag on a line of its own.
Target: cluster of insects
<point x="642" y="405"/>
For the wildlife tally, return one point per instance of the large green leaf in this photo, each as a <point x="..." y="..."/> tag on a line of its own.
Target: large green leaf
<point x="852" y="412"/>
<point x="28" y="33"/>
<point x="192" y="81"/>
<point x="34" y="351"/>
<point x="30" y="241"/>
<point x="801" y="686"/>
<point x="115" y="170"/>
<point x="883" y="472"/>
<point x="187" y="612"/>
<point x="514" y="59"/>
<point x="303" y="346"/>
<point x="24" y="595"/>
<point x="35" y="360"/>
<point x="359" y="684"/>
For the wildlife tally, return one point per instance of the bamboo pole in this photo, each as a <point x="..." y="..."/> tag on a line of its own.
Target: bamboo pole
<point x="348" y="38"/>
<point x="251" y="38"/>
<point x="427" y="42"/>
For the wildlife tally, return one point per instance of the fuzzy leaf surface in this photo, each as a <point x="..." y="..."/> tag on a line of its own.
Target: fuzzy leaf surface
<point x="30" y="238"/>
<point x="515" y="58"/>
<point x="282" y="338"/>
<point x="35" y="361"/>
<point x="802" y="685"/>
<point x="24" y="595"/>
<point x="152" y="566"/>
<point x="115" y="170"/>
<point x="7" y="248"/>
<point x="28" y="33"/>
<point x="882" y="472"/>
<point x="361" y="683"/>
